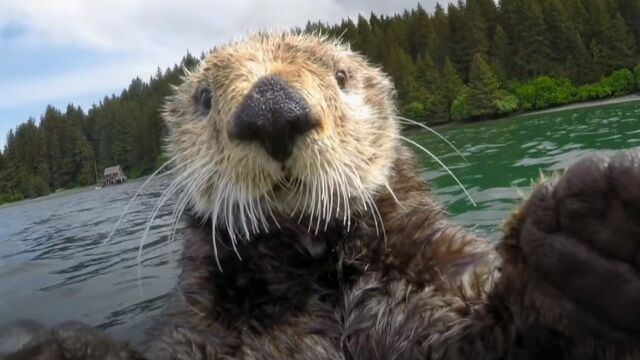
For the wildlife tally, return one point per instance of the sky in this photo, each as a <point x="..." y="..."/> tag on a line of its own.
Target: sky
<point x="77" y="51"/>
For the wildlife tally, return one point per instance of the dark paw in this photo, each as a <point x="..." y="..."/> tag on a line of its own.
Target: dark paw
<point x="72" y="340"/>
<point x="14" y="335"/>
<point x="581" y="236"/>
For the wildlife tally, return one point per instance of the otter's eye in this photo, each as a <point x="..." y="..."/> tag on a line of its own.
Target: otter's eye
<point x="203" y="98"/>
<point x="341" y="78"/>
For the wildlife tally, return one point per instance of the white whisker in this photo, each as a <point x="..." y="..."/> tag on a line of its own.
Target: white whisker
<point x="435" y="133"/>
<point x="441" y="164"/>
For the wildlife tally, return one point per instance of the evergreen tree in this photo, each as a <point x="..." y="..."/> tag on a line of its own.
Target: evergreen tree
<point x="580" y="66"/>
<point x="630" y="11"/>
<point x="532" y="55"/>
<point x="561" y="35"/>
<point x="484" y="88"/>
<point x="452" y="85"/>
<point x="427" y="74"/>
<point x="500" y="54"/>
<point x="421" y="34"/>
<point x="440" y="47"/>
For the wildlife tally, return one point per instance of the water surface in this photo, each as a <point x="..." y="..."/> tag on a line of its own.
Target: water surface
<point x="55" y="266"/>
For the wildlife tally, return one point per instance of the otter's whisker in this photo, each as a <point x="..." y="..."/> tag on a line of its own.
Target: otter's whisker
<point x="314" y="203"/>
<point x="344" y="192"/>
<point x="214" y="221"/>
<point x="413" y="122"/>
<point x="297" y="189"/>
<point x="181" y="207"/>
<point x="332" y="184"/>
<point x="322" y="203"/>
<point x="166" y="194"/>
<point x="393" y="194"/>
<point x="263" y="220"/>
<point x="269" y="197"/>
<point x="260" y="206"/>
<point x="137" y="193"/>
<point x="215" y="246"/>
<point x="242" y="203"/>
<point x="252" y="211"/>
<point x="441" y="164"/>
<point x="232" y="208"/>
<point x="364" y="196"/>
<point x="347" y="197"/>
<point x="184" y="198"/>
<point x="307" y="189"/>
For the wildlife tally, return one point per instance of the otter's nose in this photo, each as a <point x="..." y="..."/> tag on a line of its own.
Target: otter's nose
<point x="273" y="115"/>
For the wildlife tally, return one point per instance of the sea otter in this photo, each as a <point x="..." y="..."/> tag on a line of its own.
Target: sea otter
<point x="312" y="235"/>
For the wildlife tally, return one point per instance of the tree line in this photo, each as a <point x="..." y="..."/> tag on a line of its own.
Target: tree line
<point x="478" y="59"/>
<point x="471" y="60"/>
<point x="72" y="148"/>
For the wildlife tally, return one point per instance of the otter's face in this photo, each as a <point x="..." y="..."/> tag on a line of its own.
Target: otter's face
<point x="282" y="125"/>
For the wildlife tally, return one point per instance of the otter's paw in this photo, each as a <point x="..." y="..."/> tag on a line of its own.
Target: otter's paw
<point x="73" y="340"/>
<point x="577" y="244"/>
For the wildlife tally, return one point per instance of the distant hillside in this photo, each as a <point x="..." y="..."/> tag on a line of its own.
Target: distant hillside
<point x="473" y="60"/>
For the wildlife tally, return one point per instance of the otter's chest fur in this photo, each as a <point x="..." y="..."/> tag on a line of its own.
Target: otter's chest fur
<point x="276" y="275"/>
<point x="276" y="294"/>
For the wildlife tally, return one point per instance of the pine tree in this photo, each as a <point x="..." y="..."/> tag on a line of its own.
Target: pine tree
<point x="421" y="33"/>
<point x="619" y="42"/>
<point x="500" y="54"/>
<point x="440" y="47"/>
<point x="561" y="35"/>
<point x="580" y="66"/>
<point x="477" y="37"/>
<point x="630" y="11"/>
<point x="427" y="74"/>
<point x="532" y="44"/>
<point x="483" y="89"/>
<point x="452" y="85"/>
<point x="403" y="71"/>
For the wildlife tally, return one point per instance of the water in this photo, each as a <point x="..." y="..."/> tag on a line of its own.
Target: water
<point x="54" y="265"/>
<point x="505" y="156"/>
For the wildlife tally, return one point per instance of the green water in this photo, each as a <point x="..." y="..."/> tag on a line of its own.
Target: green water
<point x="505" y="156"/>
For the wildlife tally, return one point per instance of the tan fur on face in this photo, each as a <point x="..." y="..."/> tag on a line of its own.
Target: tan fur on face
<point x="336" y="168"/>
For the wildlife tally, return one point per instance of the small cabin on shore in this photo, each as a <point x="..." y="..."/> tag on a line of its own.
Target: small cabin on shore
<point x="114" y="175"/>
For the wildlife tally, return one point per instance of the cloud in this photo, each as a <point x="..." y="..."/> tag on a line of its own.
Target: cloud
<point x="71" y="84"/>
<point x="151" y="25"/>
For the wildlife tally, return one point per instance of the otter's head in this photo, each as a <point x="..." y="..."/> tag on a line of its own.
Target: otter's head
<point x="282" y="126"/>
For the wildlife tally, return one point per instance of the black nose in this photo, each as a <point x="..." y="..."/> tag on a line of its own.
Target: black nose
<point x="274" y="115"/>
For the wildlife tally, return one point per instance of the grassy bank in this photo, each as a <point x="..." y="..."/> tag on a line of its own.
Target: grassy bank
<point x="57" y="194"/>
<point x="587" y="104"/>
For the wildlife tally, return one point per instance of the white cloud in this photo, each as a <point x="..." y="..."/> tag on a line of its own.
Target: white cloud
<point x="69" y="85"/>
<point x="152" y="25"/>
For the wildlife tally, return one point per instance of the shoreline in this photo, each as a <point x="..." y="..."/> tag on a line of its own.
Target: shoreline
<point x="62" y="193"/>
<point x="573" y="106"/>
<point x="584" y="105"/>
<point x="53" y="195"/>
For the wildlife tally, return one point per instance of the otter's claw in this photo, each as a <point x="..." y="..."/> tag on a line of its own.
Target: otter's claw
<point x="582" y="237"/>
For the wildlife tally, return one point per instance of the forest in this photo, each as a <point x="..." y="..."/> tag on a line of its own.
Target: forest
<point x="468" y="61"/>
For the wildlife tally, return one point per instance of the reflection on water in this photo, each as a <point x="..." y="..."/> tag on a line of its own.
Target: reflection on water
<point x="55" y="266"/>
